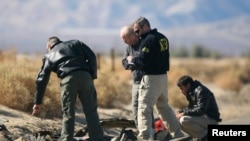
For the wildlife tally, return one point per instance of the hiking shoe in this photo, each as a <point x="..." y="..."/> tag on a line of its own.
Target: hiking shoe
<point x="162" y="135"/>
<point x="183" y="138"/>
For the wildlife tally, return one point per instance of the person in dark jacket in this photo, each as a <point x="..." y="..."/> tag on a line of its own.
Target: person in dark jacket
<point x="202" y="108"/>
<point x="153" y="60"/>
<point x="128" y="36"/>
<point x="133" y="41"/>
<point x="75" y="64"/>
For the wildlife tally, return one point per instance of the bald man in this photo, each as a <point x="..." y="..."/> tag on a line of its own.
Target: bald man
<point x="133" y="41"/>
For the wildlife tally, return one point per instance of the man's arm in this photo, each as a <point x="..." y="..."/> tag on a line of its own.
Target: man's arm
<point x="42" y="81"/>
<point x="41" y="84"/>
<point x="201" y="104"/>
<point x="146" y="54"/>
<point x="90" y="60"/>
<point x="125" y="63"/>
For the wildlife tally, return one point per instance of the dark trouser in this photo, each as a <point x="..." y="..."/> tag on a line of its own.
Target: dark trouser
<point x="79" y="84"/>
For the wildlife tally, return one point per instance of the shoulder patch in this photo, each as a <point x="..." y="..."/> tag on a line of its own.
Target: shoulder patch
<point x="164" y="44"/>
<point x="145" y="49"/>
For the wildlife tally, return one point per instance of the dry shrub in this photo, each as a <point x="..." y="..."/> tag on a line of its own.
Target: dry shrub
<point x="15" y="95"/>
<point x="229" y="80"/>
<point x="234" y="76"/>
<point x="228" y="74"/>
<point x="8" y="55"/>
<point x="112" y="91"/>
<point x="244" y="93"/>
<point x="176" y="98"/>
<point x="18" y="85"/>
<point x="245" y="71"/>
<point x="202" y="69"/>
<point x="14" y="92"/>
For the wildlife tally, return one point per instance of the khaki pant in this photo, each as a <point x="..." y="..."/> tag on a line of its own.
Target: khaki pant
<point x="196" y="126"/>
<point x="153" y="91"/>
<point x="135" y="94"/>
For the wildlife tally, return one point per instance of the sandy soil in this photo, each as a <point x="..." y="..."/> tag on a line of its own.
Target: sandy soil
<point x="19" y="124"/>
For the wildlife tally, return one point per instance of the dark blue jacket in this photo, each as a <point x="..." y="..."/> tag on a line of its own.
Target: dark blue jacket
<point x="154" y="53"/>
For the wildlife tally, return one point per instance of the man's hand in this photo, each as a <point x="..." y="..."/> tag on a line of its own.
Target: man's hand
<point x="36" y="109"/>
<point x="179" y="115"/>
<point x="129" y="58"/>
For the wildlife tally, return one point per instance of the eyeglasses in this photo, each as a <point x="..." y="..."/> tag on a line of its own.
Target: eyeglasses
<point x="137" y="31"/>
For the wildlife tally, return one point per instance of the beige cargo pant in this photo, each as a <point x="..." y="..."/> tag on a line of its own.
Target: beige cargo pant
<point x="153" y="91"/>
<point x="196" y="126"/>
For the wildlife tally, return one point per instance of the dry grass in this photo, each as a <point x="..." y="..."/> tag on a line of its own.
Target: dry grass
<point x="229" y="74"/>
<point x="18" y="74"/>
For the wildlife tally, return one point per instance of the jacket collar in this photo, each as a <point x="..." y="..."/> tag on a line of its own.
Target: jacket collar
<point x="144" y="35"/>
<point x="56" y="44"/>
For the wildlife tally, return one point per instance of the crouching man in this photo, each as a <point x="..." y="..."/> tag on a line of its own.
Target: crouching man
<point x="202" y="108"/>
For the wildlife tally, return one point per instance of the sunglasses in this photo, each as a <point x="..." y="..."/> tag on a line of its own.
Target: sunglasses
<point x="137" y="31"/>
